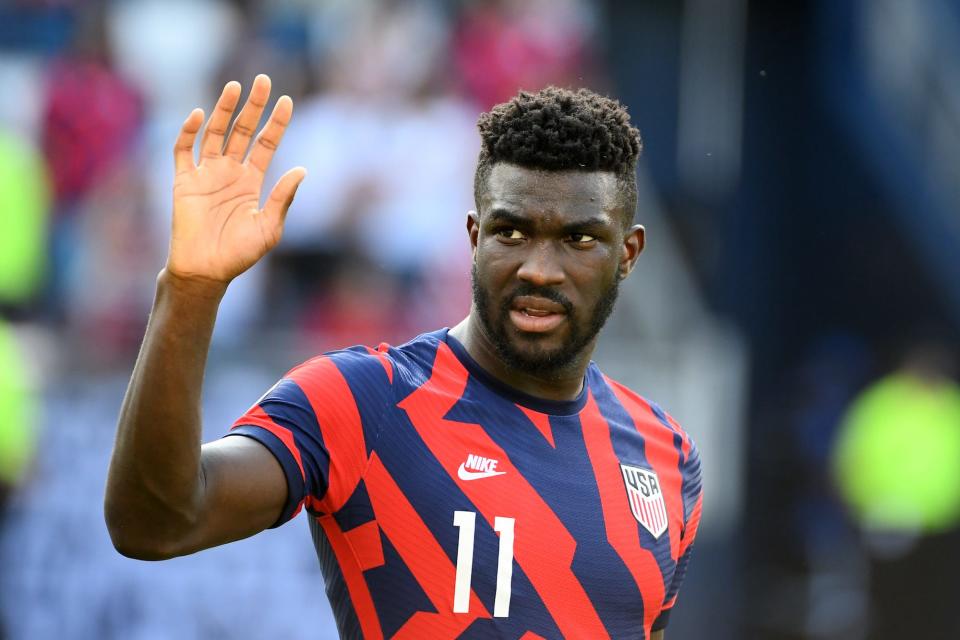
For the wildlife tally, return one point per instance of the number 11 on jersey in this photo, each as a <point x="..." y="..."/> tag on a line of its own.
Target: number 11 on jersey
<point x="466" y="521"/>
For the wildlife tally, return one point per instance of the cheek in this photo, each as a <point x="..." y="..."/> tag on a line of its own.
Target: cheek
<point x="494" y="265"/>
<point x="589" y="297"/>
<point x="593" y="275"/>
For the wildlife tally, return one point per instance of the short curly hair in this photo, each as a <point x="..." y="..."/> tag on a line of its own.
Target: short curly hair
<point x="558" y="129"/>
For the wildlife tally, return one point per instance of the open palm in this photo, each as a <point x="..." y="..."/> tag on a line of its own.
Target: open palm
<point x="219" y="229"/>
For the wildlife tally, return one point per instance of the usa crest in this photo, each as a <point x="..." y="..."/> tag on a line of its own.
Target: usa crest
<point x="645" y="498"/>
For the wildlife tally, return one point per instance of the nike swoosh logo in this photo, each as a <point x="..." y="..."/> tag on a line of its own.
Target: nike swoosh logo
<point x="464" y="474"/>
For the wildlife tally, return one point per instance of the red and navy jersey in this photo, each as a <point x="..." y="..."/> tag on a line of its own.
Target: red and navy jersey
<point x="446" y="504"/>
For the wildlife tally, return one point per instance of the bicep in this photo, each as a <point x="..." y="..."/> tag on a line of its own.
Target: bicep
<point x="244" y="492"/>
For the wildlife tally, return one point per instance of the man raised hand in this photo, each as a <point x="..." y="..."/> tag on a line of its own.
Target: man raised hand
<point x="484" y="481"/>
<point x="166" y="495"/>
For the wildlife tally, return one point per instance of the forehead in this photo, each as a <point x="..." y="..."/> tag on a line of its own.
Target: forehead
<point x="565" y="194"/>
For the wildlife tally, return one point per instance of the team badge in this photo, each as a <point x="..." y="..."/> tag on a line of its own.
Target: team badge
<point x="645" y="498"/>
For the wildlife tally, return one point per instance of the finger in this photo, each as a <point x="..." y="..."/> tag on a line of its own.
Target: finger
<point x="266" y="144"/>
<point x="246" y="123"/>
<point x="212" y="142"/>
<point x="183" y="148"/>
<point x="283" y="192"/>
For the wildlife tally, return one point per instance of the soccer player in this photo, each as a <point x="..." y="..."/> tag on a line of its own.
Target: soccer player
<point x="482" y="481"/>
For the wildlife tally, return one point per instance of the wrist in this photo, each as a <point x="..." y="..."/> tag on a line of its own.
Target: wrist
<point x="193" y="287"/>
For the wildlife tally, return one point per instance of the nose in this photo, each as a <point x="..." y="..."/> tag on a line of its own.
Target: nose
<point x="541" y="266"/>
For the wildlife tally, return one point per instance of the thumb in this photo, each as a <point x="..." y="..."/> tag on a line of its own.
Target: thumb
<point x="283" y="192"/>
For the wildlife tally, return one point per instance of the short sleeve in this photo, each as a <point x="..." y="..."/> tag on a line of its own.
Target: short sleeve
<point x="320" y="421"/>
<point x="692" y="492"/>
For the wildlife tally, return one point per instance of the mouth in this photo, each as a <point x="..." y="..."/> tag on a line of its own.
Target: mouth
<point x="532" y="314"/>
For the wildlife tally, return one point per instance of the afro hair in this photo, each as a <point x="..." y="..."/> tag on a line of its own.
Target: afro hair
<point x="558" y="129"/>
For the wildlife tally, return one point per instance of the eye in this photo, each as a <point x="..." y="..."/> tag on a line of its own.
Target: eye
<point x="581" y="238"/>
<point x="509" y="234"/>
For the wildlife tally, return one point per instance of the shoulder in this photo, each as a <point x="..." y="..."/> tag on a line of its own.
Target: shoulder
<point x="646" y="414"/>
<point x="364" y="366"/>
<point x="351" y="370"/>
<point x="419" y="352"/>
<point x="415" y="361"/>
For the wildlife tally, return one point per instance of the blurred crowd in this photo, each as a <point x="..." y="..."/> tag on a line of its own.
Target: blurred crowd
<point x="387" y="94"/>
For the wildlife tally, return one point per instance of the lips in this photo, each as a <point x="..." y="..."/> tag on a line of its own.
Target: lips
<point x="533" y="314"/>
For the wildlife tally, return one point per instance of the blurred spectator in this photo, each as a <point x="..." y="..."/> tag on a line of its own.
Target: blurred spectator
<point x="501" y="46"/>
<point x="380" y="50"/>
<point x="90" y="121"/>
<point x="171" y="50"/>
<point x="117" y="254"/>
<point x="391" y="149"/>
<point x="359" y="300"/>
<point x="897" y="463"/>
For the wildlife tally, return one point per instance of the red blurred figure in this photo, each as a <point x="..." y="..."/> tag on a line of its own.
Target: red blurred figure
<point x="504" y="45"/>
<point x="91" y="114"/>
<point x="82" y="144"/>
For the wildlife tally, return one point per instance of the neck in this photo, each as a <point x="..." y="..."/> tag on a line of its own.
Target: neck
<point x="565" y="384"/>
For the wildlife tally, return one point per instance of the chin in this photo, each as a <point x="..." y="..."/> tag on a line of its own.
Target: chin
<point x="536" y="342"/>
<point x="536" y="353"/>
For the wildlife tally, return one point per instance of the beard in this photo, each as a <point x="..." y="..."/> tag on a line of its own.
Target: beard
<point x="538" y="359"/>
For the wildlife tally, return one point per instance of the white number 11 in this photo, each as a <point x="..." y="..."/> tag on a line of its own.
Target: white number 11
<point x="466" y="521"/>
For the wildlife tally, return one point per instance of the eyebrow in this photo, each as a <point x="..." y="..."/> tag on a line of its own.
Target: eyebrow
<point x="509" y="217"/>
<point x="503" y="215"/>
<point x="586" y="223"/>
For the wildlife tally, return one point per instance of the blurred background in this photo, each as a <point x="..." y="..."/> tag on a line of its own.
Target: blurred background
<point x="797" y="310"/>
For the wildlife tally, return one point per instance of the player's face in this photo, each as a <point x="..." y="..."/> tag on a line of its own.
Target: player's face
<point x="548" y="247"/>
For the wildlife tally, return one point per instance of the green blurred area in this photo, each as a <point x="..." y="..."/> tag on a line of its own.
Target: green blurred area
<point x="898" y="455"/>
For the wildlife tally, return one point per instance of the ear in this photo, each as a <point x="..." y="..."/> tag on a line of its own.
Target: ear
<point x="473" y="230"/>
<point x="633" y="244"/>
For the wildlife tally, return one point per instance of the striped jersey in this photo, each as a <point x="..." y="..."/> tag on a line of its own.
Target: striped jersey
<point x="446" y="504"/>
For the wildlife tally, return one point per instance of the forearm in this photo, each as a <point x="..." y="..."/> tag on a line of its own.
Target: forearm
<point x="155" y="484"/>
